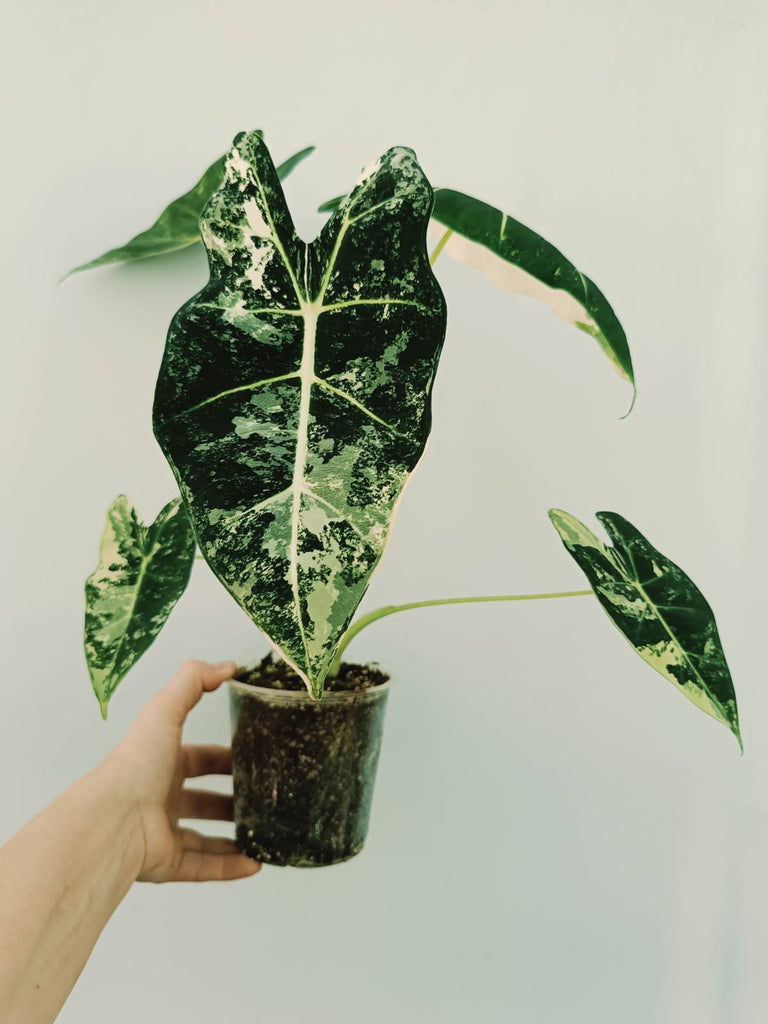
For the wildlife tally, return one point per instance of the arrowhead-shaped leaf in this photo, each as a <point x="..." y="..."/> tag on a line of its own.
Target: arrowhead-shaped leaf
<point x="657" y="607"/>
<point x="521" y="261"/>
<point x="293" y="400"/>
<point x="178" y="225"/>
<point x="142" y="572"/>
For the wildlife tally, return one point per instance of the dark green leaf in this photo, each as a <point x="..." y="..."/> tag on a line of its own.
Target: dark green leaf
<point x="285" y="168"/>
<point x="657" y="607"/>
<point x="521" y="261"/>
<point x="178" y="225"/>
<point x="331" y="204"/>
<point x="293" y="400"/>
<point x="142" y="572"/>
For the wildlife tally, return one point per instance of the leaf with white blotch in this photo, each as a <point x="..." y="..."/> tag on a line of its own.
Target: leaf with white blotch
<point x="142" y="572"/>
<point x="293" y="399"/>
<point x="520" y="261"/>
<point x="177" y="227"/>
<point x="657" y="607"/>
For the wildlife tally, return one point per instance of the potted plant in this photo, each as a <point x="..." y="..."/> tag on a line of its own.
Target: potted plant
<point x="292" y="404"/>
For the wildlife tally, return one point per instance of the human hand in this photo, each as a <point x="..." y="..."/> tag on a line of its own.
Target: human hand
<point x="149" y="766"/>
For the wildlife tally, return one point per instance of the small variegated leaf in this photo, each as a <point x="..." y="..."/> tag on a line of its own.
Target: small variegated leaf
<point x="142" y="572"/>
<point x="293" y="399"/>
<point x="657" y="607"/>
<point x="177" y="227"/>
<point x="519" y="260"/>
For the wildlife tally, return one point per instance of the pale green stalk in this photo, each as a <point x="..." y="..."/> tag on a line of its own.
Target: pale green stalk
<point x="390" y="609"/>
<point x="440" y="246"/>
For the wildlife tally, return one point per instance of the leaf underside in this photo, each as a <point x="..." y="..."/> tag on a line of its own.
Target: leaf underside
<point x="177" y="227"/>
<point x="142" y="572"/>
<point x="293" y="400"/>
<point x="658" y="608"/>
<point x="521" y="261"/>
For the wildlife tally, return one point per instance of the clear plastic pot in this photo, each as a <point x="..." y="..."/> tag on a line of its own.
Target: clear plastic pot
<point x="303" y="771"/>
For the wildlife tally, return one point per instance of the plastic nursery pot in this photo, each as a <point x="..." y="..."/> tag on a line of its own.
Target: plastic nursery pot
<point x="303" y="770"/>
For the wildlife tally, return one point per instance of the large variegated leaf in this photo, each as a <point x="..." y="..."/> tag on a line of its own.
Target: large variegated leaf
<point x="293" y="400"/>
<point x="519" y="260"/>
<point x="657" y="607"/>
<point x="142" y="572"/>
<point x="178" y="225"/>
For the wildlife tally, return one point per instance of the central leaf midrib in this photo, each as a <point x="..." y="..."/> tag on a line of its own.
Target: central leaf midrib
<point x="655" y="608"/>
<point x="310" y="311"/>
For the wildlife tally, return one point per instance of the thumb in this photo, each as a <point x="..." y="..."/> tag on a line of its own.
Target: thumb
<point x="184" y="690"/>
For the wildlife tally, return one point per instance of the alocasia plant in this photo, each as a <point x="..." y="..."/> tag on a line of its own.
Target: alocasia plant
<point x="293" y="402"/>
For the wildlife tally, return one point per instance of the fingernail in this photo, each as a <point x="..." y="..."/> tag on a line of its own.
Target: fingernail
<point x="226" y="664"/>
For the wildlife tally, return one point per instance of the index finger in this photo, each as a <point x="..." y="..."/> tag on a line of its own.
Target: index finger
<point x="206" y="759"/>
<point x="187" y="686"/>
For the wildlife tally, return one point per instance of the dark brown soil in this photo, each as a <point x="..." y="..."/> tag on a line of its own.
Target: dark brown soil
<point x="304" y="770"/>
<point x="278" y="675"/>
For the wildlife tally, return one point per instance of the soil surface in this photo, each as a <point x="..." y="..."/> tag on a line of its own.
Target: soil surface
<point x="278" y="675"/>
<point x="304" y="770"/>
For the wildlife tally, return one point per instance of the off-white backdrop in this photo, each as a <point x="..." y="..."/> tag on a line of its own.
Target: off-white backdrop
<point x="557" y="835"/>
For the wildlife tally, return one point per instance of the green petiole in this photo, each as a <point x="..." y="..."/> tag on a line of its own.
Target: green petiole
<point x="390" y="609"/>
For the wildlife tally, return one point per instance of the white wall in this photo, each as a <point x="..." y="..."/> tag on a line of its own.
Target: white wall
<point x="557" y="835"/>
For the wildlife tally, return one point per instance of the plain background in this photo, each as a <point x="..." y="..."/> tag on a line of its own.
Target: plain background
<point x="557" y="834"/>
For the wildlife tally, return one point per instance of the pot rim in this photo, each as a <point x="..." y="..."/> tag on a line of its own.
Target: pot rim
<point x="303" y="696"/>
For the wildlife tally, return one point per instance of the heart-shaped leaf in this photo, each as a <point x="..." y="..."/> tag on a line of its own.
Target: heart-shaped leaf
<point x="178" y="225"/>
<point x="293" y="399"/>
<point x="142" y="572"/>
<point x="657" y="607"/>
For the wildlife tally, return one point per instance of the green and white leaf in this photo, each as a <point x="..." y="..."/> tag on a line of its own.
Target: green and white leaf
<point x="177" y="227"/>
<point x="142" y="572"/>
<point x="658" y="608"/>
<point x="521" y="261"/>
<point x="293" y="399"/>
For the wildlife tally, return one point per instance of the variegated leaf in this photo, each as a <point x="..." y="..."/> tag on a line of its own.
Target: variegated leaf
<point x="293" y="400"/>
<point x="177" y="227"/>
<point x="142" y="572"/>
<point x="519" y="260"/>
<point x="657" y="607"/>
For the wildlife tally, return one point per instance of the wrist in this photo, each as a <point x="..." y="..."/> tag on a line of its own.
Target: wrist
<point x="122" y="816"/>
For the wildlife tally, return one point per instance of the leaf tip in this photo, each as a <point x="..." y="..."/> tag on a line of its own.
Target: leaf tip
<point x="632" y="403"/>
<point x="103" y="707"/>
<point x="557" y="516"/>
<point x="737" y="733"/>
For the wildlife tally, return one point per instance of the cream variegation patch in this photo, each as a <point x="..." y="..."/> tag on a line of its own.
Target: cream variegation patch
<point x="513" y="278"/>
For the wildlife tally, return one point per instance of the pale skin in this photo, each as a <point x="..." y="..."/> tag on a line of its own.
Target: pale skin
<point x="64" y="873"/>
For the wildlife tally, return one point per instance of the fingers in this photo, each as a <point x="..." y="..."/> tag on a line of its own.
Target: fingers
<point x="210" y="858"/>
<point x="196" y="842"/>
<point x="200" y="803"/>
<point x="206" y="759"/>
<point x="211" y="867"/>
<point x="188" y="685"/>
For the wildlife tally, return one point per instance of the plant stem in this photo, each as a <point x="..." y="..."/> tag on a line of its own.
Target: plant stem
<point x="440" y="246"/>
<point x="390" y="609"/>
